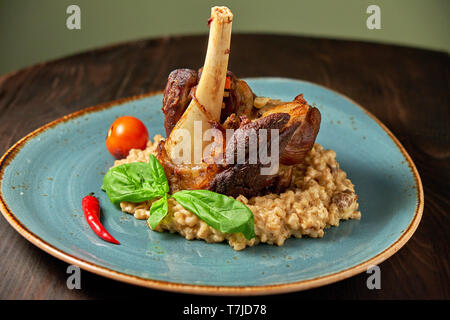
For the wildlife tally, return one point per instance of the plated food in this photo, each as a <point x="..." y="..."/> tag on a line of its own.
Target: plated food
<point x="234" y="167"/>
<point x="319" y="196"/>
<point x="44" y="176"/>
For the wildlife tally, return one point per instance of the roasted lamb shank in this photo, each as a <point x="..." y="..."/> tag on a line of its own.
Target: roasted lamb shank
<point x="202" y="98"/>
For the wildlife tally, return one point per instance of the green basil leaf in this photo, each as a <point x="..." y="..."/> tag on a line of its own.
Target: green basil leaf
<point x="219" y="211"/>
<point x="158" y="173"/>
<point x="158" y="211"/>
<point x="132" y="182"/>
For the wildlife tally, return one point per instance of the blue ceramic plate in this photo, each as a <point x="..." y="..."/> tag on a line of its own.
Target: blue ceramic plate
<point x="46" y="174"/>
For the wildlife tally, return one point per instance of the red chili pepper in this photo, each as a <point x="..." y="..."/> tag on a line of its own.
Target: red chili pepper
<point x="91" y="210"/>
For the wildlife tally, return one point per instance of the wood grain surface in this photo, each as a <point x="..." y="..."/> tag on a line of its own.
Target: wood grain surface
<point x="406" y="88"/>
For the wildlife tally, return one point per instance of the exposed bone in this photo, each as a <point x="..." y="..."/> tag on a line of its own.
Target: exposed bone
<point x="297" y="122"/>
<point x="206" y="105"/>
<point x="246" y="178"/>
<point x="212" y="82"/>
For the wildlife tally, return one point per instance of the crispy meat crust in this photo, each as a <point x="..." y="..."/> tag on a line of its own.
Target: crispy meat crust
<point x="246" y="179"/>
<point x="177" y="96"/>
<point x="298" y="123"/>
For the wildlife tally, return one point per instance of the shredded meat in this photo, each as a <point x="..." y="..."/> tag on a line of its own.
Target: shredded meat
<point x="177" y="96"/>
<point x="298" y="123"/>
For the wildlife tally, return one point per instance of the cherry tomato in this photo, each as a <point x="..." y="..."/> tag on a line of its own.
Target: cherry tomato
<point x="126" y="133"/>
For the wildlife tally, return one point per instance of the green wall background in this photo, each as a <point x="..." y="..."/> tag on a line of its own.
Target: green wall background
<point x="32" y="31"/>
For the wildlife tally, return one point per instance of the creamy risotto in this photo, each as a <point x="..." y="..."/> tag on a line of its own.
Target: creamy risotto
<point x="320" y="195"/>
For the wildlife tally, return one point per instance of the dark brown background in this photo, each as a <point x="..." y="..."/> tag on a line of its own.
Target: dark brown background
<point x="407" y="89"/>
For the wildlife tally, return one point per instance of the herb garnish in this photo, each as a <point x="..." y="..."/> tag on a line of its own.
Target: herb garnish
<point x="138" y="182"/>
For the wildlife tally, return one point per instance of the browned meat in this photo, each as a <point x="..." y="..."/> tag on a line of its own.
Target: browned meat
<point x="185" y="176"/>
<point x="298" y="123"/>
<point x="284" y="178"/>
<point x="235" y="179"/>
<point x="238" y="100"/>
<point x="177" y="96"/>
<point x="308" y="119"/>
<point x="246" y="179"/>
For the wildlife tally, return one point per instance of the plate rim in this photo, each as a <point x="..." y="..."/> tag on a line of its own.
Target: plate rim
<point x="10" y="154"/>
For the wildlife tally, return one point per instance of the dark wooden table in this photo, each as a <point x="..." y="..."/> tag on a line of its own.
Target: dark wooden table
<point x="406" y="88"/>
